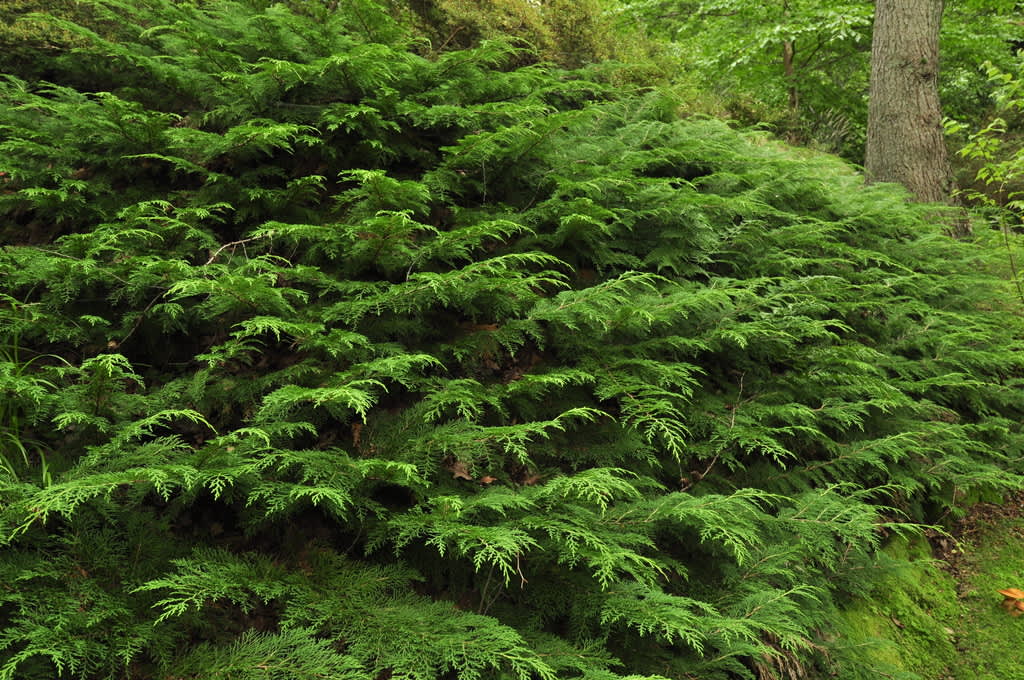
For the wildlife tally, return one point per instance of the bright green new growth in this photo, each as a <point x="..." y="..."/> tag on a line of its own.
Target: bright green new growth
<point x="326" y="359"/>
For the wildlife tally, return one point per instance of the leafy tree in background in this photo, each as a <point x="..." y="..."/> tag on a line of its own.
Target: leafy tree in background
<point x="569" y="33"/>
<point x="803" y="67"/>
<point x="330" y="354"/>
<point x="995" y="152"/>
<point x="572" y="33"/>
<point x="798" y="66"/>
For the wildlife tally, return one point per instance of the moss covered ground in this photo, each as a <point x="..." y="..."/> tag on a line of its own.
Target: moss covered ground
<point x="936" y="614"/>
<point x="989" y="640"/>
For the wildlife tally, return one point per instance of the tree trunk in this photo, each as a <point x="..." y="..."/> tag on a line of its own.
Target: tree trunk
<point x="905" y="142"/>
<point x="789" y="70"/>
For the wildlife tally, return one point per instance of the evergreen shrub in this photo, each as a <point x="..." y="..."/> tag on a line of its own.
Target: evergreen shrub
<point x="324" y="359"/>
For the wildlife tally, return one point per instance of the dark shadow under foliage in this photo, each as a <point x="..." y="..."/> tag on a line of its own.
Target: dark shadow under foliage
<point x="321" y="359"/>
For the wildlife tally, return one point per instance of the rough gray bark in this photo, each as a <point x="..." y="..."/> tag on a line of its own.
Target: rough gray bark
<point x="905" y="140"/>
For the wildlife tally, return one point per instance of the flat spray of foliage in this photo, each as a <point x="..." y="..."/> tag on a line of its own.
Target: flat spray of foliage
<point x="324" y="359"/>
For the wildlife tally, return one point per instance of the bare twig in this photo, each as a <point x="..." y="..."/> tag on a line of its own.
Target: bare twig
<point x="138" y="321"/>
<point x="233" y="244"/>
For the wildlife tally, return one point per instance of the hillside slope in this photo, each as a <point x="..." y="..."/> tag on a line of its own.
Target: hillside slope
<point x="323" y="358"/>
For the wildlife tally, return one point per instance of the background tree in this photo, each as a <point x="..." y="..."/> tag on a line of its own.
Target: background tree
<point x="905" y="141"/>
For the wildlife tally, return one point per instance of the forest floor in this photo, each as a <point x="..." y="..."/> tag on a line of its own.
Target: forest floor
<point x="986" y="555"/>
<point x="937" y="614"/>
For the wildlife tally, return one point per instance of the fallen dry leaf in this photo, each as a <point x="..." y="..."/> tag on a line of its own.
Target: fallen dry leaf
<point x="1013" y="600"/>
<point x="459" y="470"/>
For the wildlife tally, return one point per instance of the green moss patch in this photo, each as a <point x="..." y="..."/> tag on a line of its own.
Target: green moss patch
<point x="903" y="628"/>
<point x="929" y="620"/>
<point x="989" y="639"/>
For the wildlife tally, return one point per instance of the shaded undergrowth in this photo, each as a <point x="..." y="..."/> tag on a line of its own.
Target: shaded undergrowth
<point x="326" y="358"/>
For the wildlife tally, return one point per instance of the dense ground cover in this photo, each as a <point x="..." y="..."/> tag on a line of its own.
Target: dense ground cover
<point x="327" y="356"/>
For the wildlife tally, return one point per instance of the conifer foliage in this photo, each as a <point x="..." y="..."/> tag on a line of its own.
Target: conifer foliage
<point x="324" y="355"/>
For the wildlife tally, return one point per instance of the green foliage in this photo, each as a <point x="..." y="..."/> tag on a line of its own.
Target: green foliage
<point x="569" y="33"/>
<point x="997" y="154"/>
<point x="801" y="68"/>
<point x="996" y="144"/>
<point x="323" y="357"/>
